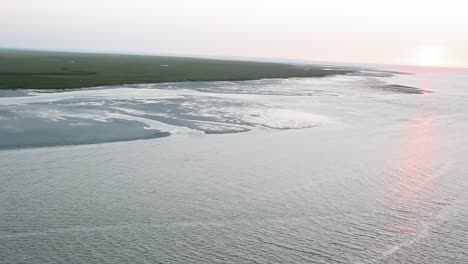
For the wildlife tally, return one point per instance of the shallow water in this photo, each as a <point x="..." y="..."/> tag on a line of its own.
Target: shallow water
<point x="343" y="169"/>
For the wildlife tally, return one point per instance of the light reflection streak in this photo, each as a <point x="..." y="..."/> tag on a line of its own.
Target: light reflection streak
<point x="408" y="187"/>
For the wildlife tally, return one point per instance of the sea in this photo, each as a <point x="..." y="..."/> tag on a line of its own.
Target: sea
<point x="367" y="167"/>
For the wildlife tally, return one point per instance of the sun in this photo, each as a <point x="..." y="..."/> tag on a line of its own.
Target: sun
<point x="430" y="56"/>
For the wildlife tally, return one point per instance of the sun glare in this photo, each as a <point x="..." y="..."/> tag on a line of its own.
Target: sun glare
<point x="430" y="56"/>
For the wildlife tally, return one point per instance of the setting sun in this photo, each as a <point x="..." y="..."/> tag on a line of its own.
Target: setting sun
<point x="431" y="56"/>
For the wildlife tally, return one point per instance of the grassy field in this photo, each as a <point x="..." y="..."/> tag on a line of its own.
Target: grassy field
<point x="49" y="70"/>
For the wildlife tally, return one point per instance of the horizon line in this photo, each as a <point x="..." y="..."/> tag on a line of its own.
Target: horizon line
<point x="241" y="58"/>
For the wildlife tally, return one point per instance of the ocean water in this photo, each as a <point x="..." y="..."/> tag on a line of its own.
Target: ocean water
<point x="370" y="167"/>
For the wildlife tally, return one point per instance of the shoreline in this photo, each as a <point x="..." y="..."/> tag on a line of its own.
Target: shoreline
<point x="26" y="69"/>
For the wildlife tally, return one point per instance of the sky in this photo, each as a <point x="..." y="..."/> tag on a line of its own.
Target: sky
<point x="433" y="33"/>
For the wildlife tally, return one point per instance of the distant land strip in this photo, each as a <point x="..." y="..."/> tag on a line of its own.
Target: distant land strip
<point x="60" y="70"/>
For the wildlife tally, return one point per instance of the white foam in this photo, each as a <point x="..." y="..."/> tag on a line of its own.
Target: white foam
<point x="285" y="118"/>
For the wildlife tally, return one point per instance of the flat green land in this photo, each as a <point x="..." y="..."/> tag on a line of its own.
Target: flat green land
<point x="57" y="70"/>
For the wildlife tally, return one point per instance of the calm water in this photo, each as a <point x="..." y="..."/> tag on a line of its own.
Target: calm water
<point x="344" y="169"/>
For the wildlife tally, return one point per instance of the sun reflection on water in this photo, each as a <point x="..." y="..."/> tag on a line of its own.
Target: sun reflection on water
<point x="408" y="186"/>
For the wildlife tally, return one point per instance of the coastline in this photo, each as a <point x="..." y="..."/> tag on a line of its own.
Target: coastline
<point x="26" y="69"/>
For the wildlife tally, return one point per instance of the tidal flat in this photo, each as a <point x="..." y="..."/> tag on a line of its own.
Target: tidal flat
<point x="356" y="168"/>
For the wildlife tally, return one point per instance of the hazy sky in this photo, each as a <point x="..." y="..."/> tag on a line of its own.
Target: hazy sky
<point x="396" y="31"/>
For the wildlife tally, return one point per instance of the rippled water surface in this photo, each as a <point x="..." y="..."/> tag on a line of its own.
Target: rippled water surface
<point x="363" y="168"/>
